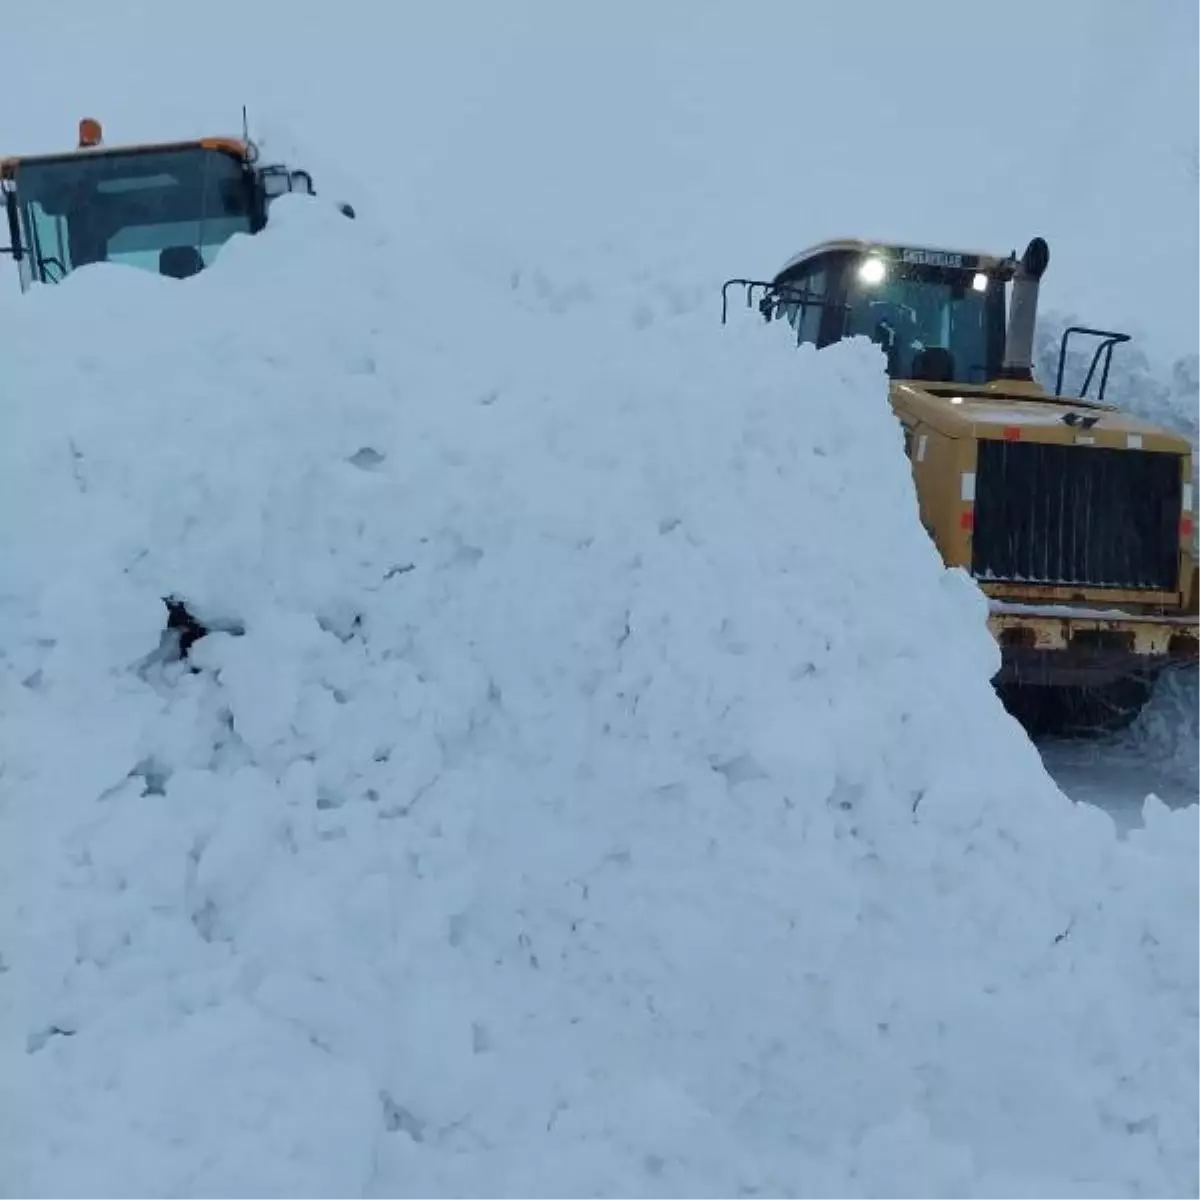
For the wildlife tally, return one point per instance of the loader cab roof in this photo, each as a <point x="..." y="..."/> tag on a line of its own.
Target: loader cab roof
<point x="938" y="314"/>
<point x="980" y="260"/>
<point x="236" y="147"/>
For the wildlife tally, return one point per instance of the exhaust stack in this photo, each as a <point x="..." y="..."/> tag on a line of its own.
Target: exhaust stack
<point x="1022" y="311"/>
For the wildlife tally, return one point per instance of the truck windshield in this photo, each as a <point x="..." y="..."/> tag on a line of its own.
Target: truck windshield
<point x="167" y="211"/>
<point x="931" y="322"/>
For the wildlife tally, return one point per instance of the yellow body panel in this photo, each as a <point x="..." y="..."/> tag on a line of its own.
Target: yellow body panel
<point x="960" y="411"/>
<point x="943" y="424"/>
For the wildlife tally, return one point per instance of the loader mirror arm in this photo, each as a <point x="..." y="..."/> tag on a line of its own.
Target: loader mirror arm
<point x="277" y="180"/>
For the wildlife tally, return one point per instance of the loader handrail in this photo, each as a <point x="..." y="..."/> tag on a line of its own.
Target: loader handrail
<point x="1106" y="346"/>
<point x="750" y="285"/>
<point x="773" y="295"/>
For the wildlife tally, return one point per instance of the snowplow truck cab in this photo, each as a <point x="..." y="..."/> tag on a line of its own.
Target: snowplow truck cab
<point x="163" y="207"/>
<point x="1075" y="519"/>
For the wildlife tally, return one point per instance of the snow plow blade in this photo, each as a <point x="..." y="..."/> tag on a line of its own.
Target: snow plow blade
<point x="1062" y="645"/>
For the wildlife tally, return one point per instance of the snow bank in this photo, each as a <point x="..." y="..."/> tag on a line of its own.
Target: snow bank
<point x="593" y="785"/>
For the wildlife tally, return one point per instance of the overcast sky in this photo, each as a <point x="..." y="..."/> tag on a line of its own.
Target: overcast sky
<point x="703" y="137"/>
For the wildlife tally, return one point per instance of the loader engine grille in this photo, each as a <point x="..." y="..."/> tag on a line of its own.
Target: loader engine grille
<point x="1055" y="514"/>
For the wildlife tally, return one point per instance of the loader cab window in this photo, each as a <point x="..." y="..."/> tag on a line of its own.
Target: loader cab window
<point x="166" y="211"/>
<point x="802" y="302"/>
<point x="933" y="322"/>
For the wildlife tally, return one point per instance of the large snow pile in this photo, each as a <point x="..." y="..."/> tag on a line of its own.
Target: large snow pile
<point x="593" y="784"/>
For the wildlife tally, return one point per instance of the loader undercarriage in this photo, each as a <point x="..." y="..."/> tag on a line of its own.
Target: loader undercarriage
<point x="1068" y="673"/>
<point x="1077" y="710"/>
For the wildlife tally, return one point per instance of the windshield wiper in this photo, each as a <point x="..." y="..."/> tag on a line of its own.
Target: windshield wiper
<point x="44" y="262"/>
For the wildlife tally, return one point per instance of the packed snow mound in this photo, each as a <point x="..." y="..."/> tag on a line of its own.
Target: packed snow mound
<point x="591" y="786"/>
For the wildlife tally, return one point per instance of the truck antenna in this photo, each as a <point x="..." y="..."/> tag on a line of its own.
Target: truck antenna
<point x="245" y="125"/>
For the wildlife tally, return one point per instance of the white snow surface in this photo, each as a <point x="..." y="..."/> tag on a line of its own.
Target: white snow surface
<point x="598" y="789"/>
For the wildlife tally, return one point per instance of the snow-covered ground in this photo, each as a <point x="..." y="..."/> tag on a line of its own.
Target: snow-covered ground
<point x="572" y="799"/>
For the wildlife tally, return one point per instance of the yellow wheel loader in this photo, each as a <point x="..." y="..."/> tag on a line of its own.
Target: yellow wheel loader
<point x="1075" y="519"/>
<point x="165" y="207"/>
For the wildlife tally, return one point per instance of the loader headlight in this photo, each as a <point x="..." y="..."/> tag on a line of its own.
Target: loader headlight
<point x="980" y="282"/>
<point x="872" y="270"/>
